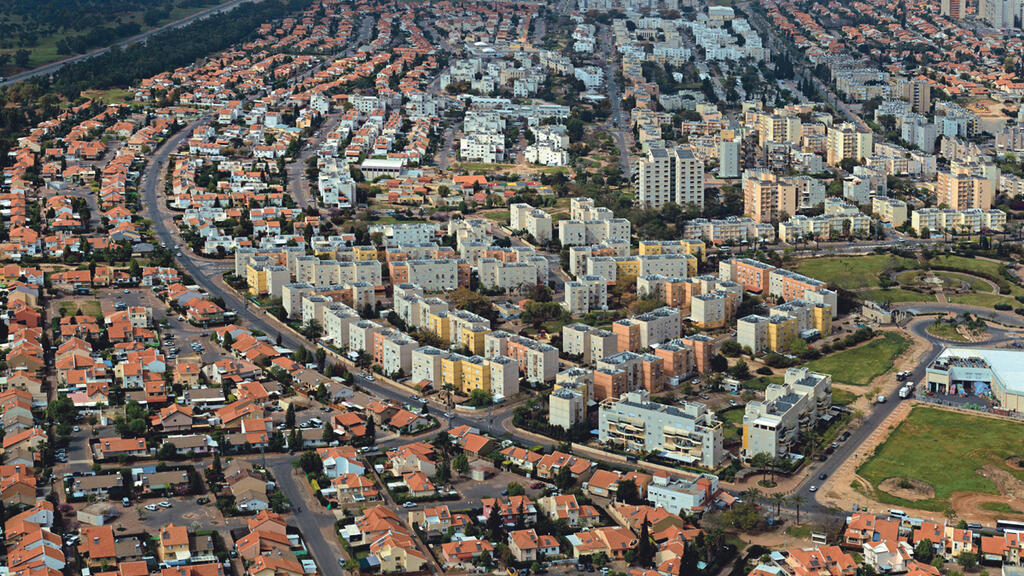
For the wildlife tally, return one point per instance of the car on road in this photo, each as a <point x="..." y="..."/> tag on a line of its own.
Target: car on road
<point x="151" y="507"/>
<point x="844" y="437"/>
<point x="822" y="476"/>
<point x="165" y="504"/>
<point x="77" y="429"/>
<point x="813" y="488"/>
<point x="202" y="500"/>
<point x="835" y="445"/>
<point x="447" y="415"/>
<point x="126" y="291"/>
<point x="408" y="505"/>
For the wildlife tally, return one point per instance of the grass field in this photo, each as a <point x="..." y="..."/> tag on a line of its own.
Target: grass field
<point x="1001" y="508"/>
<point x="732" y="415"/>
<point x="946" y="450"/>
<point x="977" y="284"/>
<point x="499" y="216"/>
<point x="842" y="397"/>
<point x="984" y="300"/>
<point x="762" y="382"/>
<point x="112" y="96"/>
<point x="945" y="330"/>
<point x="890" y="295"/>
<point x="860" y="365"/>
<point x="88" y="307"/>
<point x="851" y="273"/>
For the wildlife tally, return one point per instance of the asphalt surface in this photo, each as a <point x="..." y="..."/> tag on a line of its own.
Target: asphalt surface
<point x="48" y="69"/>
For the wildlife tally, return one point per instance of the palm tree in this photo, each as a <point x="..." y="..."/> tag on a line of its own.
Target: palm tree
<point x="761" y="461"/>
<point x="778" y="499"/>
<point x="797" y="500"/>
<point x="752" y="495"/>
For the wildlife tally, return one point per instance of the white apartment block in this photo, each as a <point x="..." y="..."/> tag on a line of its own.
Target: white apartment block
<point x="772" y="426"/>
<point x="846" y="141"/>
<point x="408" y="233"/>
<point x="504" y="374"/>
<point x="670" y="175"/>
<point x="337" y="320"/>
<point x="588" y="232"/>
<point x="586" y="294"/>
<point x="680" y="496"/>
<point x="538" y="362"/>
<point x="566" y="407"/>
<point x="752" y="332"/>
<point x="495" y="273"/>
<point x="426" y="365"/>
<point x="397" y="352"/>
<point x="434" y="275"/>
<point x="592" y="344"/>
<point x="840" y="220"/>
<point x="534" y="221"/>
<point x="688" y="432"/>
<point x="731" y="230"/>
<point x="972" y="221"/>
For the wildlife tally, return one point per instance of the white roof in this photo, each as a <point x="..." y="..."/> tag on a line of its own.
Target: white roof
<point x="1006" y="365"/>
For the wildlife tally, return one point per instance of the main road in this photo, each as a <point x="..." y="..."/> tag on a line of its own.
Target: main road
<point x="48" y="69"/>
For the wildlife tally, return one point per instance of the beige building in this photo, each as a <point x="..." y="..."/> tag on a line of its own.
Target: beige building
<point x="534" y="221"/>
<point x="586" y="294"/>
<point x="969" y="221"/>
<point x="670" y="175"/>
<point x="566" y="407"/>
<point x="768" y="198"/>
<point x="967" y="185"/>
<point x="846" y="141"/>
<point x="889" y="210"/>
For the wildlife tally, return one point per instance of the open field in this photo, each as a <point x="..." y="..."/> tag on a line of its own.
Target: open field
<point x="88" y="308"/>
<point x="842" y="397"/>
<point x="860" y="365"/>
<point x="948" y="451"/>
<point x="762" y="382"/>
<point x="985" y="300"/>
<point x="851" y="273"/>
<point x="890" y="295"/>
<point x="112" y="96"/>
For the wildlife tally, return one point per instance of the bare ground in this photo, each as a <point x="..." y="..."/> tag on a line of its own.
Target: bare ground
<point x="908" y="489"/>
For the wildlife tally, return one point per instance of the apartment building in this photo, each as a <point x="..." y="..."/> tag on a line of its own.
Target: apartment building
<point x="774" y="425"/>
<point x="754" y="276"/>
<point x="778" y="127"/>
<point x="766" y="197"/>
<point x="534" y="221"/>
<point x="406" y="233"/>
<point x="566" y="407"/>
<point x="970" y="221"/>
<point x="646" y="330"/>
<point x="680" y="496"/>
<point x="731" y="230"/>
<point x="494" y="273"/>
<point x="793" y="286"/>
<point x="537" y="362"/>
<point x="627" y="371"/>
<point x="426" y="366"/>
<point x="967" y="185"/>
<point x="840" y="220"/>
<point x="687" y="433"/>
<point x="670" y="175"/>
<point x="956" y="9"/>
<point x="752" y="333"/>
<point x="689" y="246"/>
<point x="809" y="316"/>
<point x="591" y="344"/>
<point x="396" y="353"/>
<point x="847" y="141"/>
<point x="586" y="294"/>
<point x="889" y="210"/>
<point x="429" y="274"/>
<point x="714" y="309"/>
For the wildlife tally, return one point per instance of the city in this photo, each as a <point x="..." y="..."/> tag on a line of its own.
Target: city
<point x="621" y="287"/>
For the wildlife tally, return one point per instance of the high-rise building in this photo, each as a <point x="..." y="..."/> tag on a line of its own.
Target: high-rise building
<point x="766" y="197"/>
<point x="729" y="159"/>
<point x="955" y="8"/>
<point x="917" y="92"/>
<point x="779" y="128"/>
<point x="670" y="175"/>
<point x="1001" y="13"/>
<point x="846" y="141"/>
<point x="965" y="186"/>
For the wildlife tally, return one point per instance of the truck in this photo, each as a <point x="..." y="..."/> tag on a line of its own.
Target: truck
<point x="907" y="390"/>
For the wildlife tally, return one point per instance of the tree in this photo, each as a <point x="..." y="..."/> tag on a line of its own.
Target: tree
<point x="628" y="493"/>
<point x="719" y="363"/>
<point x="310" y="462"/>
<point x="167" y="451"/>
<point x="461" y="464"/>
<point x="752" y="495"/>
<point x="924" y="551"/>
<point x="968" y="561"/>
<point x="797" y="500"/>
<point x="371" y="430"/>
<point x="289" y="416"/>
<point x="295" y="440"/>
<point x="564" y="479"/>
<point x="760" y="461"/>
<point x="778" y="499"/>
<point x="21" y="58"/>
<point x="515" y="489"/>
<point x="495" y="525"/>
<point x="645" y="549"/>
<point x="328" y="436"/>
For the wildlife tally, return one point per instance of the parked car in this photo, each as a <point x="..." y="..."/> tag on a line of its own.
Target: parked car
<point x="152" y="507"/>
<point x="813" y="488"/>
<point x="408" y="505"/>
<point x="202" y="500"/>
<point x="165" y="504"/>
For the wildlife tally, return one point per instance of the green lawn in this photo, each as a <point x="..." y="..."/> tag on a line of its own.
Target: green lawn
<point x="501" y="217"/>
<point x="860" y="365"/>
<point x="983" y="300"/>
<point x="1001" y="508"/>
<point x="977" y="284"/>
<point x="945" y="330"/>
<point x="889" y="295"/>
<point x="88" y="308"/>
<point x="946" y="450"/>
<point x="733" y="415"/>
<point x="849" y="272"/>
<point x="842" y="397"/>
<point x="112" y="96"/>
<point x="762" y="382"/>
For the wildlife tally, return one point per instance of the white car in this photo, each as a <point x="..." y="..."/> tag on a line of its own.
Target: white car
<point x="409" y="505"/>
<point x="165" y="504"/>
<point x="152" y="507"/>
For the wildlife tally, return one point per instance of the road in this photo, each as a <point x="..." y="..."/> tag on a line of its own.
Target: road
<point x="616" y="125"/>
<point x="315" y="522"/>
<point x="48" y="69"/>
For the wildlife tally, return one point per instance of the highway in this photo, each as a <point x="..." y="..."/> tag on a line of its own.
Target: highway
<point x="48" y="69"/>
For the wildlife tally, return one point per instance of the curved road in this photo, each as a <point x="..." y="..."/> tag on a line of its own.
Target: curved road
<point x="48" y="69"/>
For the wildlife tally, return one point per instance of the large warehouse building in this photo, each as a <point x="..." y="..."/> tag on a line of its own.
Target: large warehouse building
<point x="977" y="370"/>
